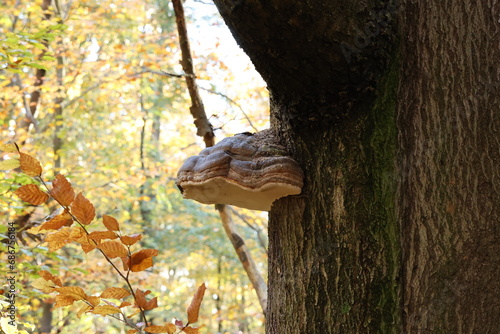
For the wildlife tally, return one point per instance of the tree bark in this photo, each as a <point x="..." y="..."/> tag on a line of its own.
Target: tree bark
<point x="391" y="108"/>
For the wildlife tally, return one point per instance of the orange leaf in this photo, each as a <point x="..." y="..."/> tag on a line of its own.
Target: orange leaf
<point x="124" y="304"/>
<point x="143" y="259"/>
<point x="99" y="235"/>
<point x="72" y="291"/>
<point x="32" y="194"/>
<point x="58" y="239"/>
<point x="191" y="330"/>
<point x="125" y="262"/>
<point x="93" y="300"/>
<point x="62" y="190"/>
<point x="64" y="300"/>
<point x="106" y="309"/>
<point x="110" y="223"/>
<point x="129" y="240"/>
<point x="29" y="165"/>
<point x="194" y="308"/>
<point x="83" y="209"/>
<point x="168" y="328"/>
<point x="132" y="331"/>
<point x="140" y="300"/>
<point x="113" y="249"/>
<point x="64" y="219"/>
<point x="49" y="277"/>
<point x="115" y="293"/>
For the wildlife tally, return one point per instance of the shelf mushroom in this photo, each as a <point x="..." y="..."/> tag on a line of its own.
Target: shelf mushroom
<point x="247" y="170"/>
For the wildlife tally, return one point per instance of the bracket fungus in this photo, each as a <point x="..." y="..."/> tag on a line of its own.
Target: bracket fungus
<point x="247" y="170"/>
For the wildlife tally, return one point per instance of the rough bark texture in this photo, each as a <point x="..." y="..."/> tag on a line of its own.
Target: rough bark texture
<point x="449" y="138"/>
<point x="398" y="136"/>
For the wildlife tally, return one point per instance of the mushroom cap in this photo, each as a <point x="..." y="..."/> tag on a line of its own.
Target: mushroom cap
<point x="247" y="170"/>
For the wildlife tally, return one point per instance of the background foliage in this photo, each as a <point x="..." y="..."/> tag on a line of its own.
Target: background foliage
<point x="112" y="118"/>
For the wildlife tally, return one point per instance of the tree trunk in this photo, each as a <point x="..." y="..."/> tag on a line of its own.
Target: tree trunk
<point x="392" y="110"/>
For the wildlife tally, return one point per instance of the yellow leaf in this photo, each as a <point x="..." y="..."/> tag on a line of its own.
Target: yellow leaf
<point x="84" y="309"/>
<point x="43" y="285"/>
<point x="64" y="300"/>
<point x="9" y="148"/>
<point x="58" y="239"/>
<point x="194" y="308"/>
<point x="115" y="293"/>
<point x="62" y="190"/>
<point x="105" y="310"/>
<point x="57" y="222"/>
<point x="72" y="291"/>
<point x="99" y="235"/>
<point x="32" y="194"/>
<point x="83" y="209"/>
<point x="9" y="164"/>
<point x="93" y="300"/>
<point x="113" y="249"/>
<point x="110" y="223"/>
<point x="29" y="165"/>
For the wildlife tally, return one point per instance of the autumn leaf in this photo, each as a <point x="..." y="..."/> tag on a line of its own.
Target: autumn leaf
<point x="29" y="165"/>
<point x="85" y="308"/>
<point x="32" y="194"/>
<point x="168" y="328"/>
<point x="63" y="219"/>
<point x="142" y="302"/>
<point x="58" y="239"/>
<point x="8" y="148"/>
<point x="113" y="249"/>
<point x="99" y="235"/>
<point x="93" y="300"/>
<point x="49" y="277"/>
<point x="115" y="293"/>
<point x="105" y="310"/>
<point x="9" y="164"/>
<point x="64" y="300"/>
<point x="43" y="285"/>
<point x="110" y="223"/>
<point x="82" y="209"/>
<point x="132" y="331"/>
<point x="194" y="308"/>
<point x="191" y="330"/>
<point x="72" y="291"/>
<point x="62" y="190"/>
<point x="142" y="259"/>
<point x="129" y="240"/>
<point x="124" y="304"/>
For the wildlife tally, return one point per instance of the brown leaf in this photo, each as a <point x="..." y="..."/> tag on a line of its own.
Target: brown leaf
<point x="124" y="304"/>
<point x="132" y="331"/>
<point x="58" y="239"/>
<point x="83" y="209"/>
<point x="72" y="291"/>
<point x="64" y="300"/>
<point x="49" y="277"/>
<point x="64" y="219"/>
<point x="62" y="190"/>
<point x="105" y="310"/>
<point x="191" y="330"/>
<point x="110" y="223"/>
<point x="29" y="165"/>
<point x="115" y="293"/>
<point x="168" y="328"/>
<point x="129" y="240"/>
<point x="99" y="235"/>
<point x="140" y="300"/>
<point x="32" y="194"/>
<point x="142" y="259"/>
<point x="113" y="249"/>
<point x="194" y="308"/>
<point x="93" y="300"/>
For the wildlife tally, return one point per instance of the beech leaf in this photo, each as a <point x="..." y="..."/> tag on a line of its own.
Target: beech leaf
<point x="105" y="310"/>
<point x="113" y="249"/>
<point x="64" y="219"/>
<point x="9" y="164"/>
<point x="32" y="194"/>
<point x="83" y="209"/>
<point x="62" y="190"/>
<point x="110" y="223"/>
<point x="194" y="308"/>
<point x="29" y="165"/>
<point x="115" y="293"/>
<point x="142" y="259"/>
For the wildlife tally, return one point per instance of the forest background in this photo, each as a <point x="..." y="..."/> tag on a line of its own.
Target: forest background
<point x="94" y="90"/>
